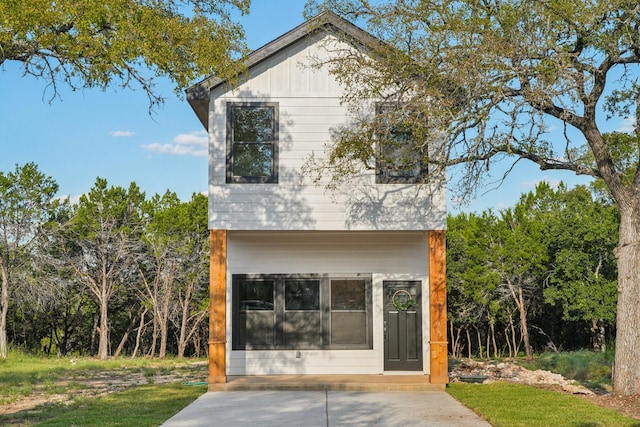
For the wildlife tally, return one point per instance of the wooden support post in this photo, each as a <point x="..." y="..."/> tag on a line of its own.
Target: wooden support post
<point x="217" y="306"/>
<point x="439" y="373"/>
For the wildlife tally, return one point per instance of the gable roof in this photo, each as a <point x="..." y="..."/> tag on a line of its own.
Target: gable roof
<point x="198" y="94"/>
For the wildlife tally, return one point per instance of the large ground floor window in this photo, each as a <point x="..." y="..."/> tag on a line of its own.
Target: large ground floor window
<point x="302" y="311"/>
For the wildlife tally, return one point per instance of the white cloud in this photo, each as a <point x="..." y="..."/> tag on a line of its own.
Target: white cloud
<point x="627" y="125"/>
<point x="121" y="133"/>
<point x="184" y="144"/>
<point x="193" y="138"/>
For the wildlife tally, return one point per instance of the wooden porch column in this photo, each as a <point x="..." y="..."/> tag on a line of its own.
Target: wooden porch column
<point x="217" y="306"/>
<point x="438" y="307"/>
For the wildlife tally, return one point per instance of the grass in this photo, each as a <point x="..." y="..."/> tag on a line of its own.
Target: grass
<point x="502" y="404"/>
<point x="513" y="405"/>
<point x="21" y="373"/>
<point x="150" y="404"/>
<point x="147" y="405"/>
<point x="507" y="404"/>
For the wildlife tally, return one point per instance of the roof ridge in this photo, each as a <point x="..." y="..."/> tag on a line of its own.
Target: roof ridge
<point x="198" y="94"/>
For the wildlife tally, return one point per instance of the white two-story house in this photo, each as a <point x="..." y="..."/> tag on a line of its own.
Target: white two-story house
<point x="306" y="280"/>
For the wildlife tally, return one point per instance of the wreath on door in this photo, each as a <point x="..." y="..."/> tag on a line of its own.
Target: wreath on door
<point x="397" y="302"/>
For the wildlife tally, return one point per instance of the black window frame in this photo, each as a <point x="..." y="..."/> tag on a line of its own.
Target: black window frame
<point x="231" y="177"/>
<point x="280" y="339"/>
<point x="383" y="166"/>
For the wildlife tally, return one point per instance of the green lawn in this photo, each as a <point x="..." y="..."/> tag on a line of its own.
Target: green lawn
<point x="143" y="406"/>
<point x="514" y="405"/>
<point x="149" y="404"/>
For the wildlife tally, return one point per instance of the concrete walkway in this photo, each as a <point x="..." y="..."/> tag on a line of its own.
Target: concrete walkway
<point x="266" y="408"/>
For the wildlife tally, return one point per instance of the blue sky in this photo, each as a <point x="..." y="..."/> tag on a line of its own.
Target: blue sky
<point x="90" y="133"/>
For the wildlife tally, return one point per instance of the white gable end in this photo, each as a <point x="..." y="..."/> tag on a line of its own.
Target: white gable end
<point x="288" y="73"/>
<point x="309" y="109"/>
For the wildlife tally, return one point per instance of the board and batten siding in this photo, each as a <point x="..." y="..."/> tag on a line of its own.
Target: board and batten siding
<point x="309" y="109"/>
<point x="385" y="255"/>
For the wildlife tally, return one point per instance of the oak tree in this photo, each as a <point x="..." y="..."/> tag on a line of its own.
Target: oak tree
<point x="97" y="43"/>
<point x="490" y="80"/>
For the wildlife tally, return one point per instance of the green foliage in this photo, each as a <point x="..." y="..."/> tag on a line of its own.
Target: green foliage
<point x="471" y="281"/>
<point x="101" y="242"/>
<point x="74" y="264"/>
<point x="557" y="246"/>
<point x="531" y="407"/>
<point x="98" y="43"/>
<point x="495" y="81"/>
<point x="26" y="205"/>
<point x="494" y="78"/>
<point x="580" y="236"/>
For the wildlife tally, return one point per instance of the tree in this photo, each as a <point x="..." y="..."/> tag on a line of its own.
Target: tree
<point x="472" y="281"/>
<point x="490" y="80"/>
<point x="193" y="289"/>
<point x="129" y="42"/>
<point x="26" y="202"/>
<point x="50" y="307"/>
<point x="497" y="269"/>
<point x="580" y="237"/>
<point x="158" y="268"/>
<point x="519" y="258"/>
<point x="103" y="239"/>
<point x="174" y="268"/>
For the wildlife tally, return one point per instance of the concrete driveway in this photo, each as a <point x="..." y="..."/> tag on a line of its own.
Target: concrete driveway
<point x="325" y="408"/>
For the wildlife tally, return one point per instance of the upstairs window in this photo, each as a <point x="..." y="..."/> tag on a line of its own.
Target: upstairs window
<point x="252" y="143"/>
<point x="400" y="159"/>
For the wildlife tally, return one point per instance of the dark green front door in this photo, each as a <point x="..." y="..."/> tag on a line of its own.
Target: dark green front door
<point x="402" y="325"/>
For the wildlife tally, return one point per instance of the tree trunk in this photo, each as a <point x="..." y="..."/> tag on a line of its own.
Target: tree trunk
<point x="493" y="338"/>
<point x="184" y="319"/>
<point x="488" y="348"/>
<point x="457" y="348"/>
<point x="468" y="342"/>
<point x="94" y="329"/>
<point x="163" y="313"/>
<point x="139" y="333"/>
<point x="154" y="336"/>
<point x="455" y="341"/>
<point x="164" y="332"/>
<point x="103" y="330"/>
<point x="518" y="299"/>
<point x="626" y="376"/>
<point x="4" y="309"/>
<point x="123" y="341"/>
<point x="125" y="337"/>
<point x="191" y="332"/>
<point x="516" y="346"/>
<point x="597" y="335"/>
<point x="523" y="325"/>
<point x="508" y="341"/>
